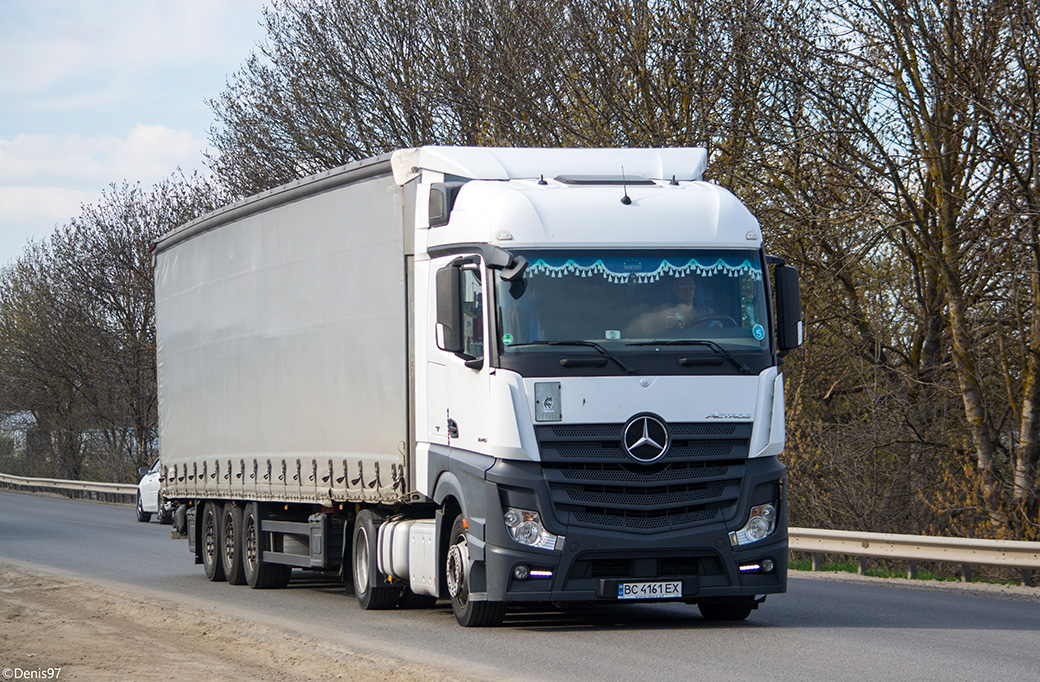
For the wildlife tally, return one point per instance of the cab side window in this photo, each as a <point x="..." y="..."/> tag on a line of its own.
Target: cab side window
<point x="460" y="311"/>
<point x="472" y="315"/>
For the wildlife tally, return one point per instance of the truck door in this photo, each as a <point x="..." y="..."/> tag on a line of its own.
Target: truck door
<point x="462" y="318"/>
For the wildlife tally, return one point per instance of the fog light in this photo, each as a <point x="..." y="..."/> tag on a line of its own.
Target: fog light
<point x="521" y="572"/>
<point x="767" y="565"/>
<point x="760" y="524"/>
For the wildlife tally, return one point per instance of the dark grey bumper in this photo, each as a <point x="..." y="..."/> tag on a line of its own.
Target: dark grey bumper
<point x="592" y="562"/>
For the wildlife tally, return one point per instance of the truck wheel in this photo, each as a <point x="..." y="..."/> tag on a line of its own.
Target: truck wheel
<point x="726" y="609"/>
<point x="469" y="614"/>
<point x="259" y="574"/>
<point x="366" y="571"/>
<point x="165" y="515"/>
<point x="231" y="543"/>
<point x="142" y="515"/>
<point x="211" y="541"/>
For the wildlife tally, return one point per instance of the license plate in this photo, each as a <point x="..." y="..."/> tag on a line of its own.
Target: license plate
<point x="665" y="590"/>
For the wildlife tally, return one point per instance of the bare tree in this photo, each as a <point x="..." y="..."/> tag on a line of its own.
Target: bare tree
<point x="927" y="131"/>
<point x="77" y="328"/>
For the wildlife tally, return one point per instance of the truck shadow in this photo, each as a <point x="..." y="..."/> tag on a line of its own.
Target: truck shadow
<point x="578" y="617"/>
<point x="806" y="605"/>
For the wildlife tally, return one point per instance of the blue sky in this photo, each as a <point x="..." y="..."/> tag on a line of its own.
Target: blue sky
<point x="93" y="92"/>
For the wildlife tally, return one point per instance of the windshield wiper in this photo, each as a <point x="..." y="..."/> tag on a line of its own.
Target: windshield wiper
<point x="696" y="342"/>
<point x="590" y="344"/>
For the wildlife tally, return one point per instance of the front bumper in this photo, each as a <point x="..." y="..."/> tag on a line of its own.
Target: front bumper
<point x="590" y="568"/>
<point x="590" y="563"/>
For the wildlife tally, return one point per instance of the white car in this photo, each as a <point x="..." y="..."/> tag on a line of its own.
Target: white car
<point x="148" y="501"/>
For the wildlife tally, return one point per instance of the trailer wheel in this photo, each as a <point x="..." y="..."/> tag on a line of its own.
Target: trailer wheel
<point x="259" y="574"/>
<point x="211" y="512"/>
<point x="231" y="544"/>
<point x="142" y="515"/>
<point x="469" y="614"/>
<point x="370" y="594"/>
<point x="726" y="609"/>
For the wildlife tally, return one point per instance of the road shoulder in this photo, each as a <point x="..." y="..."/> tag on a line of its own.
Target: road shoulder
<point x="1015" y="592"/>
<point x="96" y="632"/>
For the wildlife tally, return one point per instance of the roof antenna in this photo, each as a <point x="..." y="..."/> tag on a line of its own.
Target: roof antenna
<point x="626" y="200"/>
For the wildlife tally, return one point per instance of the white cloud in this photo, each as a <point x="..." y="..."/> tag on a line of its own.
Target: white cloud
<point x="87" y="44"/>
<point x="33" y="212"/>
<point x="92" y="93"/>
<point x="45" y="204"/>
<point x="45" y="179"/>
<point x="153" y="151"/>
<point x="147" y="153"/>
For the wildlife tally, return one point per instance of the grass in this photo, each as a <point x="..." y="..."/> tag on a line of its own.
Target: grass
<point x="886" y="572"/>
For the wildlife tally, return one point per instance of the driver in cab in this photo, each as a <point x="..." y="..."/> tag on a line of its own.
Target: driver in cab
<point x="684" y="313"/>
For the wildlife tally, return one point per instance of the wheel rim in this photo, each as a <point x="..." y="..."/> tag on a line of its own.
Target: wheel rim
<point x="229" y="539"/>
<point x="456" y="572"/>
<point x="211" y="536"/>
<point x="361" y="560"/>
<point x="250" y="538"/>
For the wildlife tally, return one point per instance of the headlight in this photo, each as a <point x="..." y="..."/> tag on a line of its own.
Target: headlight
<point x="760" y="525"/>
<point x="526" y="528"/>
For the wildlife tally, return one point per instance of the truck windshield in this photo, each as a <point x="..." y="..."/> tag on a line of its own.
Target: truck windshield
<point x="628" y="301"/>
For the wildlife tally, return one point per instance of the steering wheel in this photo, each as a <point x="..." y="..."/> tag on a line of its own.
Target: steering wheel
<point x="706" y="320"/>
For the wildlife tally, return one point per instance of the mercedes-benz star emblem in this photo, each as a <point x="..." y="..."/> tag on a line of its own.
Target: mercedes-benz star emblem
<point x="646" y="438"/>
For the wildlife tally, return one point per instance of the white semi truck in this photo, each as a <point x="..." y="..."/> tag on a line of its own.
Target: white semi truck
<point x="485" y="375"/>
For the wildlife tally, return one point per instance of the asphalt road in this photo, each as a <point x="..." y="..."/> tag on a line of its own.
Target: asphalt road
<point x="820" y="629"/>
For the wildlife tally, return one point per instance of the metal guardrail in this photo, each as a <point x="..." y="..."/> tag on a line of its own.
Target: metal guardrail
<point x="105" y="492"/>
<point x="967" y="552"/>
<point x="910" y="548"/>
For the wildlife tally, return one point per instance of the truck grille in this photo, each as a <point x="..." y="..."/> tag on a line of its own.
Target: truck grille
<point x="594" y="483"/>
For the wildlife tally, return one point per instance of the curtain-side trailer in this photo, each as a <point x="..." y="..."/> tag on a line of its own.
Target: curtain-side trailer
<point x="483" y="375"/>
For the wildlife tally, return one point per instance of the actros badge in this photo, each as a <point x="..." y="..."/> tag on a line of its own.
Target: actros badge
<point x="646" y="438"/>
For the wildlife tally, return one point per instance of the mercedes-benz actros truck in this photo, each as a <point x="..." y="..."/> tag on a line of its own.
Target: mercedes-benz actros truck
<point x="489" y="376"/>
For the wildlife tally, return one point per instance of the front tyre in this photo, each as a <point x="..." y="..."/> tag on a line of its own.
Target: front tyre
<point x="469" y="614"/>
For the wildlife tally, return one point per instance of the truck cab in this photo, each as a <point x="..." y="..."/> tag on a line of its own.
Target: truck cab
<point x="602" y="386"/>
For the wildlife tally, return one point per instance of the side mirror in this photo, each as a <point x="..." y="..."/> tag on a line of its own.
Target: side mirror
<point x="788" y="309"/>
<point x="515" y="270"/>
<point x="449" y="309"/>
<point x="144" y="471"/>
